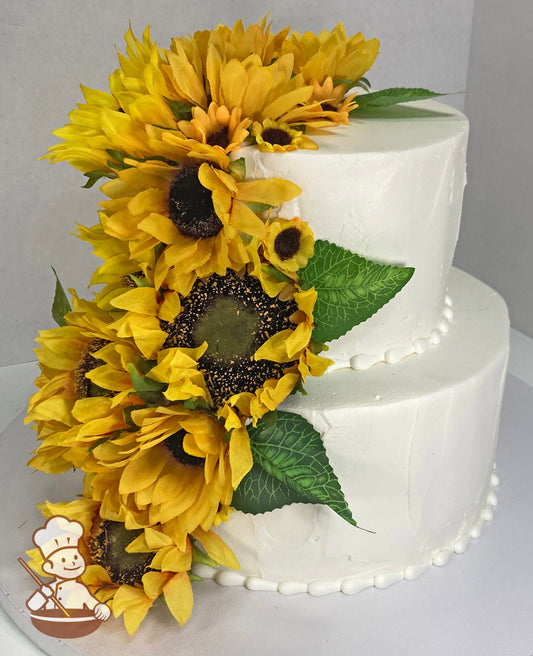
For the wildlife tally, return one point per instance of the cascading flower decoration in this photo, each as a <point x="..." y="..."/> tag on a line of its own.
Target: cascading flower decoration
<point x="215" y="302"/>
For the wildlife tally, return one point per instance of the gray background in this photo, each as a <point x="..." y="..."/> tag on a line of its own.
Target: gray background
<point x="48" y="48"/>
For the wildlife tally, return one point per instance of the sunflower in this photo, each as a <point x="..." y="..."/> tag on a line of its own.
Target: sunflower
<point x="111" y="124"/>
<point x="199" y="212"/>
<point x="179" y="466"/>
<point x="130" y="570"/>
<point x="331" y="54"/>
<point x="86" y="387"/>
<point x="335" y="105"/>
<point x="217" y="127"/>
<point x="332" y="63"/>
<point x="83" y="387"/>
<point x="257" y="344"/>
<point x="289" y="244"/>
<point x="273" y="136"/>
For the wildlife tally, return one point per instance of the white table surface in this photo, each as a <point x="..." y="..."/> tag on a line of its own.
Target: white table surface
<point x="481" y="602"/>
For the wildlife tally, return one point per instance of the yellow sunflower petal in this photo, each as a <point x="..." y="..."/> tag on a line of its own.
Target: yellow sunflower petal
<point x="96" y="575"/>
<point x="272" y="191"/>
<point x="177" y="561"/>
<point x="189" y="83"/>
<point x="216" y="548"/>
<point x="154" y="582"/>
<point x="134" y="603"/>
<point x="139" y="474"/>
<point x="179" y="597"/>
<point x="142" y="300"/>
<point x="161" y="228"/>
<point x="244" y="220"/>
<point x="286" y="102"/>
<point x="170" y="307"/>
<point x="240" y="455"/>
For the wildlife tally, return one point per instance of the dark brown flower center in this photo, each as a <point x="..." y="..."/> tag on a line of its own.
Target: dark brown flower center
<point x="174" y="444"/>
<point x="220" y="138"/>
<point x="328" y="107"/>
<point x="107" y="546"/>
<point x="85" y="388"/>
<point x="235" y="316"/>
<point x="276" y="136"/>
<point x="287" y="243"/>
<point x="190" y="205"/>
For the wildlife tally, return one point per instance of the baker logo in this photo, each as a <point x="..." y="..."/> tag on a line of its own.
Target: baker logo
<point x="64" y="607"/>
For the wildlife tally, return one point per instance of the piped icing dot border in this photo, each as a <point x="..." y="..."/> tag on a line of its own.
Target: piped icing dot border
<point x="362" y="362"/>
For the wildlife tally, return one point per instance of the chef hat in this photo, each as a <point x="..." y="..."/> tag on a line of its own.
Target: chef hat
<point x="58" y="533"/>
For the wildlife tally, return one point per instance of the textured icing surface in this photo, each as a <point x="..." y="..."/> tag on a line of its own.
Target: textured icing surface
<point x="413" y="446"/>
<point x="390" y="190"/>
<point x="353" y="585"/>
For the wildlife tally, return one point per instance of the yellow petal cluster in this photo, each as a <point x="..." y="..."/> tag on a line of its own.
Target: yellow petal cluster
<point x="116" y="120"/>
<point x="146" y="483"/>
<point x="224" y="79"/>
<point x="83" y="389"/>
<point x="168" y="575"/>
<point x="138" y="214"/>
<point x="331" y="54"/>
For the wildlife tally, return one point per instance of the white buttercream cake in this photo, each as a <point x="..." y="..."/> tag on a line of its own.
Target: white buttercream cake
<point x="409" y="413"/>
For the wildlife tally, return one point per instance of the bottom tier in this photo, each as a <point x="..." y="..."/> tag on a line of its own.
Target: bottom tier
<point x="413" y="447"/>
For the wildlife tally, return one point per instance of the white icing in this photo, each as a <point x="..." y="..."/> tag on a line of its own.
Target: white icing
<point x="413" y="447"/>
<point x="390" y="190"/>
<point x="351" y="585"/>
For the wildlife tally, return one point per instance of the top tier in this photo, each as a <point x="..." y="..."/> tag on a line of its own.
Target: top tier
<point x="391" y="190"/>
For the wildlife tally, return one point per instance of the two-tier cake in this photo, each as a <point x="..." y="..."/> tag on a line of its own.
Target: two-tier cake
<point x="409" y="412"/>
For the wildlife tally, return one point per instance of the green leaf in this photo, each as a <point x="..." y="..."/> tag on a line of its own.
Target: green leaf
<point x="387" y="97"/>
<point x="270" y="418"/>
<point x="140" y="282"/>
<point x="343" y="80"/>
<point x="181" y="111"/>
<point x="237" y="168"/>
<point x="199" y="556"/>
<point x="275" y="273"/>
<point x="290" y="466"/>
<point x="142" y="383"/>
<point x="61" y="304"/>
<point x="299" y="388"/>
<point x="195" y="402"/>
<point x="260" y="492"/>
<point x="350" y="289"/>
<point x="94" y="176"/>
<point x="363" y="84"/>
<point x="350" y="84"/>
<point x="259" y="207"/>
<point x="227" y="437"/>
<point x="103" y="440"/>
<point x="117" y="162"/>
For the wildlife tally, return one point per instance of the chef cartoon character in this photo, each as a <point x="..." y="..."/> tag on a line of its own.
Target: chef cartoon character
<point x="58" y="541"/>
